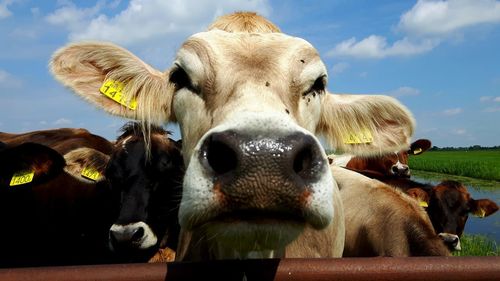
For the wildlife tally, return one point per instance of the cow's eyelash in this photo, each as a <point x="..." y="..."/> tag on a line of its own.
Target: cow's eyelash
<point x="318" y="87"/>
<point x="181" y="79"/>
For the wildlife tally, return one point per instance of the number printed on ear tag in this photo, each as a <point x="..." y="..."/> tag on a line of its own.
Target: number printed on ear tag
<point x="23" y="177"/>
<point x="113" y="90"/>
<point x="91" y="173"/>
<point x="365" y="136"/>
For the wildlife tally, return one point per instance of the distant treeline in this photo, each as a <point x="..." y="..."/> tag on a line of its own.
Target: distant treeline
<point x="474" y="147"/>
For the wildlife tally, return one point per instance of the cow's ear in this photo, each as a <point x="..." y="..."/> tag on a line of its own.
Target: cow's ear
<point x="419" y="146"/>
<point x="86" y="164"/>
<point x="483" y="207"/>
<point x="31" y="161"/>
<point x="115" y="80"/>
<point x="420" y="195"/>
<point x="365" y="124"/>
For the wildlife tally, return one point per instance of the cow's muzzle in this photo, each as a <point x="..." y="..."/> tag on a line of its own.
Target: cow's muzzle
<point x="255" y="174"/>
<point x="131" y="237"/>
<point x="451" y="240"/>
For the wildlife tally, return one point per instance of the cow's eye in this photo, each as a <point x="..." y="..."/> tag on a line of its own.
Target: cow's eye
<point x="181" y="79"/>
<point x="318" y="87"/>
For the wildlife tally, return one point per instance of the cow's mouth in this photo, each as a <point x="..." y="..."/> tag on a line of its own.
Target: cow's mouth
<point x="253" y="230"/>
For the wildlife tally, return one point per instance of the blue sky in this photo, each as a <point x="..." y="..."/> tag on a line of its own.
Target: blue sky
<point x="439" y="58"/>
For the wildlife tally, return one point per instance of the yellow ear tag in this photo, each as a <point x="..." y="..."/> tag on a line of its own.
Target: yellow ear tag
<point x="22" y="178"/>
<point x="91" y="173"/>
<point x="113" y="90"/>
<point x="365" y="136"/>
<point x="417" y="151"/>
<point x="423" y="204"/>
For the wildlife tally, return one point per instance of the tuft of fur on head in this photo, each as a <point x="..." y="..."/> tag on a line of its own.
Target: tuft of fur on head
<point x="142" y="130"/>
<point x="81" y="158"/>
<point x="248" y="22"/>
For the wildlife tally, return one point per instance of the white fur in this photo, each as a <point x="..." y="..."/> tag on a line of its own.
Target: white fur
<point x="148" y="240"/>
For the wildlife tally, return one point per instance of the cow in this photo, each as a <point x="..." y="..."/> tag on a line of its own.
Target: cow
<point x="448" y="204"/>
<point x="49" y="217"/>
<point x="62" y="140"/>
<point x="127" y="203"/>
<point x="250" y="102"/>
<point x="147" y="184"/>
<point x="391" y="164"/>
<point x="383" y="221"/>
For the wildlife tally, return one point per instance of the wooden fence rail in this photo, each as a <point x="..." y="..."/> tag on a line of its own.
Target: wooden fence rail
<point x="373" y="269"/>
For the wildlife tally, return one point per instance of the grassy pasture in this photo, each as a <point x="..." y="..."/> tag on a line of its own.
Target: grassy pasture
<point x="477" y="245"/>
<point x="480" y="164"/>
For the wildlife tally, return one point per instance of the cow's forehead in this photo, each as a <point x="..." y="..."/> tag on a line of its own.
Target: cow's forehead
<point x="275" y="47"/>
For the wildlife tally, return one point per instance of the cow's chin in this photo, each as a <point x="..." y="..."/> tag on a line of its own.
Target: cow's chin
<point x="237" y="238"/>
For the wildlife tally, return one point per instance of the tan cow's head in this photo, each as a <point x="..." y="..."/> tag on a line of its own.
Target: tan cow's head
<point x="249" y="105"/>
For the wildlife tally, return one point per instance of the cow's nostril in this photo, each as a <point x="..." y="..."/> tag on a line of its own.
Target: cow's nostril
<point x="138" y="234"/>
<point x="303" y="161"/>
<point x="220" y="156"/>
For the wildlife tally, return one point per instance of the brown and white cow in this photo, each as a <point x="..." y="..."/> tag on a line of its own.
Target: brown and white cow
<point x="448" y="204"/>
<point x="383" y="221"/>
<point x="250" y="102"/>
<point x="391" y="164"/>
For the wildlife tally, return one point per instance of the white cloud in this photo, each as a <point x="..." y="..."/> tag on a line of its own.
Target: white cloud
<point x="438" y="18"/>
<point x="489" y="99"/>
<point x="4" y="9"/>
<point x="485" y="98"/>
<point x="404" y="91"/>
<point x="72" y="17"/>
<point x="375" y="46"/>
<point x="452" y="111"/>
<point x="339" y="67"/>
<point x="145" y="20"/>
<point x="459" y="132"/>
<point x="492" y="109"/>
<point x="426" y="25"/>
<point x="62" y="122"/>
<point x="8" y="81"/>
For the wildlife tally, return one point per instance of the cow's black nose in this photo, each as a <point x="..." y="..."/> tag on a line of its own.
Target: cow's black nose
<point x="126" y="235"/>
<point x="403" y="170"/>
<point x="228" y="152"/>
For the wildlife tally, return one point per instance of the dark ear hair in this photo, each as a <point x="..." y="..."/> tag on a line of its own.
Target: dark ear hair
<point x="419" y="146"/>
<point x="483" y="207"/>
<point x="42" y="160"/>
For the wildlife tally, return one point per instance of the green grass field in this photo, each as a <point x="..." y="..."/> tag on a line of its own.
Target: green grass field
<point x="477" y="245"/>
<point x="481" y="164"/>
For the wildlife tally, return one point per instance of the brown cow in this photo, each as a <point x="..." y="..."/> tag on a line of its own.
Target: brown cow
<point x="391" y="164"/>
<point x="62" y="140"/>
<point x="132" y="201"/>
<point x="249" y="106"/>
<point x="448" y="204"/>
<point x="49" y="218"/>
<point x="382" y="221"/>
